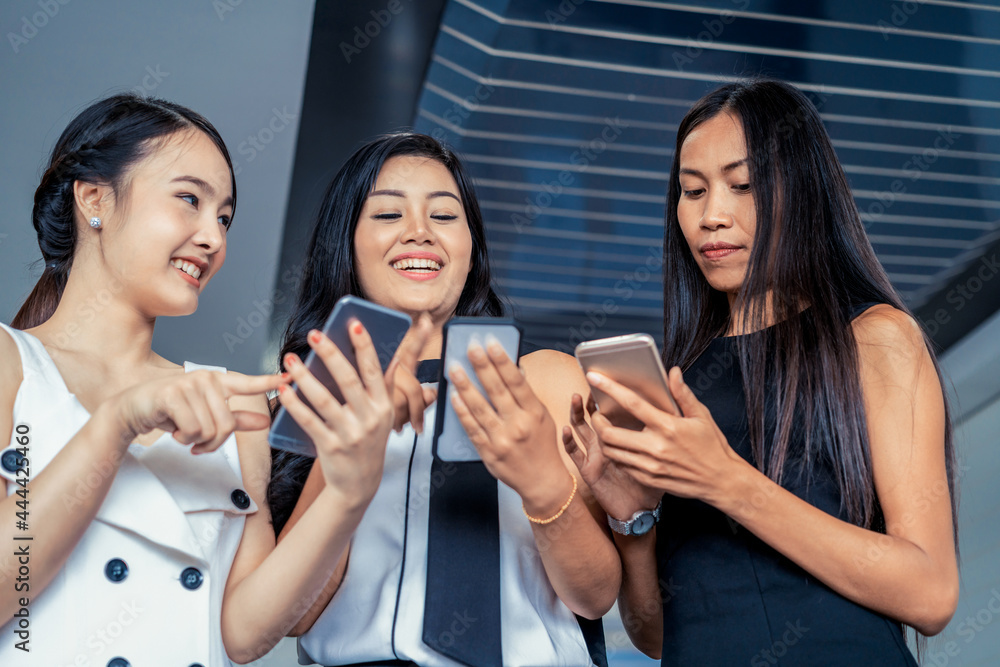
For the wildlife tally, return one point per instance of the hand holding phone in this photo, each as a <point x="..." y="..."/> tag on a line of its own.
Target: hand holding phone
<point x="386" y="328"/>
<point x="451" y="442"/>
<point x="633" y="361"/>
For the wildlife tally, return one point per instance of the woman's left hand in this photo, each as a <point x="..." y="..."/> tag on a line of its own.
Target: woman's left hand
<point x="685" y="456"/>
<point x="516" y="436"/>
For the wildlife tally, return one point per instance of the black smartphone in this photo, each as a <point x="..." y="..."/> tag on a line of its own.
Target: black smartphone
<point x="451" y="443"/>
<point x="631" y="360"/>
<point x="387" y="328"/>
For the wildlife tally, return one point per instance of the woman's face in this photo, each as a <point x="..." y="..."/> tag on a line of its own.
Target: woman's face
<point x="716" y="209"/>
<point x="168" y="238"/>
<point x="412" y="245"/>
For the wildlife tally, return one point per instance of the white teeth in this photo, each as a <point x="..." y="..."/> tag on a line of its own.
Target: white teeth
<point x="186" y="267"/>
<point x="411" y="263"/>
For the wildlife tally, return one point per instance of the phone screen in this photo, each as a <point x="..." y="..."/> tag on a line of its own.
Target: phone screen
<point x="386" y="327"/>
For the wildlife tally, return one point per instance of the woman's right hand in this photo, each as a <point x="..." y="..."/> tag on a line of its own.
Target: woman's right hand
<point x="350" y="438"/>
<point x="615" y="489"/>
<point x="193" y="407"/>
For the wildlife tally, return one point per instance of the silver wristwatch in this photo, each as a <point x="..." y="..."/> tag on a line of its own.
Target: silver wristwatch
<point x="640" y="523"/>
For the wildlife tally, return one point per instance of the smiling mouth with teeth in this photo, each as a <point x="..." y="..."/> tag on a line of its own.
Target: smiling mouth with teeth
<point x="186" y="267"/>
<point x="417" y="265"/>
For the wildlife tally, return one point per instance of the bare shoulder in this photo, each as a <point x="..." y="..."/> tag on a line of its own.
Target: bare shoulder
<point x="10" y="370"/>
<point x="553" y="369"/>
<point x="885" y="325"/>
<point x="11" y="373"/>
<point x="549" y="360"/>
<point x="888" y="337"/>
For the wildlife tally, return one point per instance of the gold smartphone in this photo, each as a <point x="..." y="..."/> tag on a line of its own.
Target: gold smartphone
<point x="631" y="360"/>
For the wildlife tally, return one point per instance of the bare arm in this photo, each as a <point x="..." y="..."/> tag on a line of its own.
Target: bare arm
<point x="520" y="446"/>
<point x="288" y="575"/>
<point x="310" y="490"/>
<point x="689" y="457"/>
<point x="271" y="586"/>
<point x="639" y="599"/>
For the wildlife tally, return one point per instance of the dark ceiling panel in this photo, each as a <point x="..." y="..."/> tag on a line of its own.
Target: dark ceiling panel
<point x="567" y="113"/>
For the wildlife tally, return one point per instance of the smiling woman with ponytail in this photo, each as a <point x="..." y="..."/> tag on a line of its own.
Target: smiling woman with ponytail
<point x="133" y="212"/>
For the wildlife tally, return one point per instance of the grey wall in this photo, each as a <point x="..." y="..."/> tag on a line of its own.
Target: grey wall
<point x="973" y="366"/>
<point x="240" y="64"/>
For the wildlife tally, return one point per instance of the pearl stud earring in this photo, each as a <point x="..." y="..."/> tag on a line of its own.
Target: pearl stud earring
<point x="95" y="223"/>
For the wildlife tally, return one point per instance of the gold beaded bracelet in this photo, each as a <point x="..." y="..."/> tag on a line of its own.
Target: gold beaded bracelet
<point x="543" y="522"/>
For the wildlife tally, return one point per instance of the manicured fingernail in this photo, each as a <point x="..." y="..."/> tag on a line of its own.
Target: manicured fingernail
<point x="291" y="360"/>
<point x="357" y="328"/>
<point x="315" y="337"/>
<point x="286" y="377"/>
<point x="476" y="351"/>
<point x="456" y="373"/>
<point x="594" y="379"/>
<point x="282" y="388"/>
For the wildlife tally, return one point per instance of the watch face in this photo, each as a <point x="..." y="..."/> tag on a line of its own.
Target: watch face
<point x="643" y="523"/>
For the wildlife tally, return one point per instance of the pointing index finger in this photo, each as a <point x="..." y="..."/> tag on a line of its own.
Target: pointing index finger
<point x="234" y="384"/>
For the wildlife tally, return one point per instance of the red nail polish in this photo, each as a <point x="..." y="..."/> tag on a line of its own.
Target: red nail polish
<point x="357" y="328"/>
<point x="282" y="388"/>
<point x="286" y="377"/>
<point x="290" y="360"/>
<point x="314" y="337"/>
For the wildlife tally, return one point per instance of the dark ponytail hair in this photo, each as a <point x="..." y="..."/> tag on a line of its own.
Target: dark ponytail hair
<point x="99" y="146"/>
<point x="330" y="272"/>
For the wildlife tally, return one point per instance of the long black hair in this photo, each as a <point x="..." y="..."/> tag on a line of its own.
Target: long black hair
<point x="330" y="272"/>
<point x="99" y="146"/>
<point x="810" y="249"/>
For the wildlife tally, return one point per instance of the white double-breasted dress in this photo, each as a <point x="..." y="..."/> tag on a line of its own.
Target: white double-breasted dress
<point x="144" y="585"/>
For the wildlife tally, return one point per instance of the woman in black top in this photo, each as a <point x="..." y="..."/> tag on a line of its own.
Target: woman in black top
<point x="808" y="490"/>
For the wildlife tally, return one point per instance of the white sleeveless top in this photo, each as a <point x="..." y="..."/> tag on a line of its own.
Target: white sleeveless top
<point x="378" y="612"/>
<point x="144" y="584"/>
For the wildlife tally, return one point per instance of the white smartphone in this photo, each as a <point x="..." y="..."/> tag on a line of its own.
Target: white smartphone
<point x="631" y="360"/>
<point x="451" y="442"/>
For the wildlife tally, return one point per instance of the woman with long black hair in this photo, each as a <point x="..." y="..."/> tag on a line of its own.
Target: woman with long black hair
<point x="452" y="563"/>
<point x="808" y="493"/>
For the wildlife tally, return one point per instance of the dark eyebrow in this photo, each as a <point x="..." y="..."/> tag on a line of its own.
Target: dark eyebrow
<point x="734" y="165"/>
<point x="430" y="195"/>
<point x="197" y="182"/>
<point x="729" y="167"/>
<point x="443" y="193"/>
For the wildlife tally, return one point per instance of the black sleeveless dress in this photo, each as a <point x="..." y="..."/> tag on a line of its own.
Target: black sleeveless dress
<point x="729" y="598"/>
